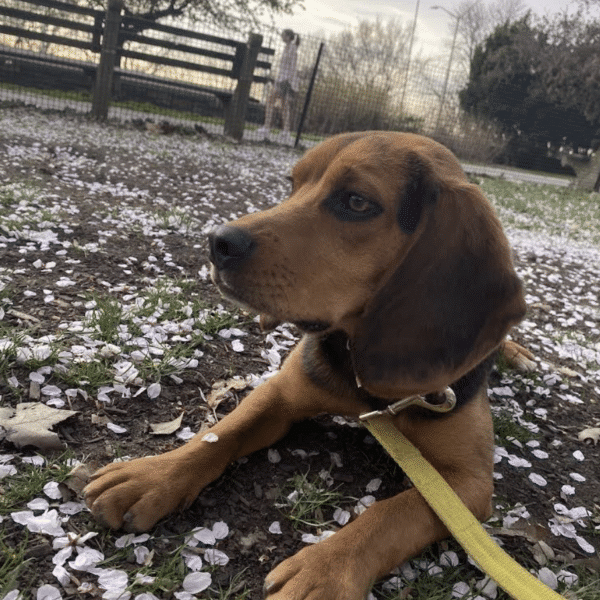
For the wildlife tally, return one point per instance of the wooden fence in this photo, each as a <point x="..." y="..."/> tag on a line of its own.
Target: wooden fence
<point x="114" y="36"/>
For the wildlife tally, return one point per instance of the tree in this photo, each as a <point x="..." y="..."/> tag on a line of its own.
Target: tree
<point x="571" y="66"/>
<point x="224" y="12"/>
<point x="361" y="77"/>
<point x="373" y="53"/>
<point x="478" y="20"/>
<point x="507" y="85"/>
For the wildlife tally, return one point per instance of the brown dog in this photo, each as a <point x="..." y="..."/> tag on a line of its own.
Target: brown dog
<point x="399" y="273"/>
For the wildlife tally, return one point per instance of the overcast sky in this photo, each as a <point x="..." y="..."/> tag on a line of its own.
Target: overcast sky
<point x="433" y="26"/>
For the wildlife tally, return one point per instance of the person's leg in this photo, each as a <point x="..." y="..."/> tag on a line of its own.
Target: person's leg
<point x="269" y="110"/>
<point x="287" y="112"/>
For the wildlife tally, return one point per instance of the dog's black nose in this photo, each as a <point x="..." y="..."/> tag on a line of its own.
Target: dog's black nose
<point x="229" y="246"/>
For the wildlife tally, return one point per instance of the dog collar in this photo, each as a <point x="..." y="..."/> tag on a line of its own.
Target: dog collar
<point x="419" y="400"/>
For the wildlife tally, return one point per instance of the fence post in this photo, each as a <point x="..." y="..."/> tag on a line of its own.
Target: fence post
<point x="308" y="94"/>
<point x="235" y="113"/>
<point x="106" y="67"/>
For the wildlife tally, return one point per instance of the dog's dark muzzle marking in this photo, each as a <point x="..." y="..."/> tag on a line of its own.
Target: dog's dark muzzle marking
<point x="230" y="247"/>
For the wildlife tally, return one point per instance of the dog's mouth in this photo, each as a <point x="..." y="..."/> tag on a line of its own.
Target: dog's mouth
<point x="267" y="322"/>
<point x="226" y="290"/>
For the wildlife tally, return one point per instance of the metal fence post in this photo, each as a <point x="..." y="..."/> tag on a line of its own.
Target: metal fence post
<point x="308" y="94"/>
<point x="104" y="72"/>
<point x="235" y="113"/>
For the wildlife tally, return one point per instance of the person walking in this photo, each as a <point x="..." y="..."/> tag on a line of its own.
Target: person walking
<point x="285" y="89"/>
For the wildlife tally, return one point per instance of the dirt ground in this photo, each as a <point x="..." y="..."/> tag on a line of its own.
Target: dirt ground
<point x="112" y="183"/>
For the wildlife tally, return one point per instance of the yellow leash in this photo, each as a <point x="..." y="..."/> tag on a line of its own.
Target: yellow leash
<point x="508" y="574"/>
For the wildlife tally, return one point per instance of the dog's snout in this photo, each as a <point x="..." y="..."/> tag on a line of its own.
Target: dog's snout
<point x="229" y="246"/>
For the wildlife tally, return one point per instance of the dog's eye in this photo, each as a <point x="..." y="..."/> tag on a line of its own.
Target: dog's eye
<point x="358" y="203"/>
<point x="350" y="206"/>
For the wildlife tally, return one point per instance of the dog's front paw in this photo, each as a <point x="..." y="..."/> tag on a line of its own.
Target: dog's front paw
<point x="138" y="493"/>
<point x="321" y="572"/>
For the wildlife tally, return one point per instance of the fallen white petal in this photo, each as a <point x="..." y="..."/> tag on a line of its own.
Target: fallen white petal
<point x="449" y="559"/>
<point x="116" y="428"/>
<point x="38" y="504"/>
<point x="216" y="557"/>
<point x="61" y="574"/>
<point x="205" y="536"/>
<point x="460" y="589"/>
<point x="52" y="490"/>
<point x="585" y="545"/>
<point x="540" y="454"/>
<point x="154" y="390"/>
<point x="237" y="346"/>
<point x="48" y="592"/>
<point x="567" y="577"/>
<point x="87" y="559"/>
<point x="113" y="579"/>
<point x="341" y="516"/>
<point x="373" y="485"/>
<point x="192" y="561"/>
<point x="61" y="557"/>
<point x="194" y="583"/>
<point x="273" y="455"/>
<point x="220" y="530"/>
<point x="141" y="553"/>
<point x="545" y="575"/>
<point x="537" y="479"/>
<point x="275" y="527"/>
<point x="309" y="538"/>
<point x="6" y="470"/>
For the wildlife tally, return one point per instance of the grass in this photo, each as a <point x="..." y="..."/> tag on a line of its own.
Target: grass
<point x="306" y="499"/>
<point x="106" y="318"/>
<point x="143" y="107"/>
<point x="89" y="376"/>
<point x="235" y="590"/>
<point x="507" y="429"/>
<point x="546" y="209"/>
<point x="30" y="480"/>
<point x="13" y="560"/>
<point x="109" y="322"/>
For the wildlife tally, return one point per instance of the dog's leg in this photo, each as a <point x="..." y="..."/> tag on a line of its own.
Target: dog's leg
<point x="345" y="565"/>
<point x="136" y="494"/>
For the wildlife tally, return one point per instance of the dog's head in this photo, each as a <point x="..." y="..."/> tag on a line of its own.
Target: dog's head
<point x="382" y="237"/>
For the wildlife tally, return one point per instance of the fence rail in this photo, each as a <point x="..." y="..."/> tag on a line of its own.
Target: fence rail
<point x="221" y="77"/>
<point x="118" y="39"/>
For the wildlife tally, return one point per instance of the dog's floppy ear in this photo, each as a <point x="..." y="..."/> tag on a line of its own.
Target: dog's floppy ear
<point x="451" y="300"/>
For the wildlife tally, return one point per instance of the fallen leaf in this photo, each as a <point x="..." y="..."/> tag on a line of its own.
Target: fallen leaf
<point x="221" y="388"/>
<point x="78" y="478"/>
<point x="522" y="528"/>
<point x="99" y="420"/>
<point x="22" y="315"/>
<point x="30" y="423"/>
<point x="167" y="427"/>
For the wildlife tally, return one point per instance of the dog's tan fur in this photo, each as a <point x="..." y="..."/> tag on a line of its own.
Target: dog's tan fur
<point x="409" y="300"/>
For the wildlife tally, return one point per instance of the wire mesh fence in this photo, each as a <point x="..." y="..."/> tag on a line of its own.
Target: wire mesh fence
<point x="49" y="55"/>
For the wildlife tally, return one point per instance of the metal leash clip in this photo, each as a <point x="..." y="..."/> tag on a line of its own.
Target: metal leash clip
<point x="393" y="409"/>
